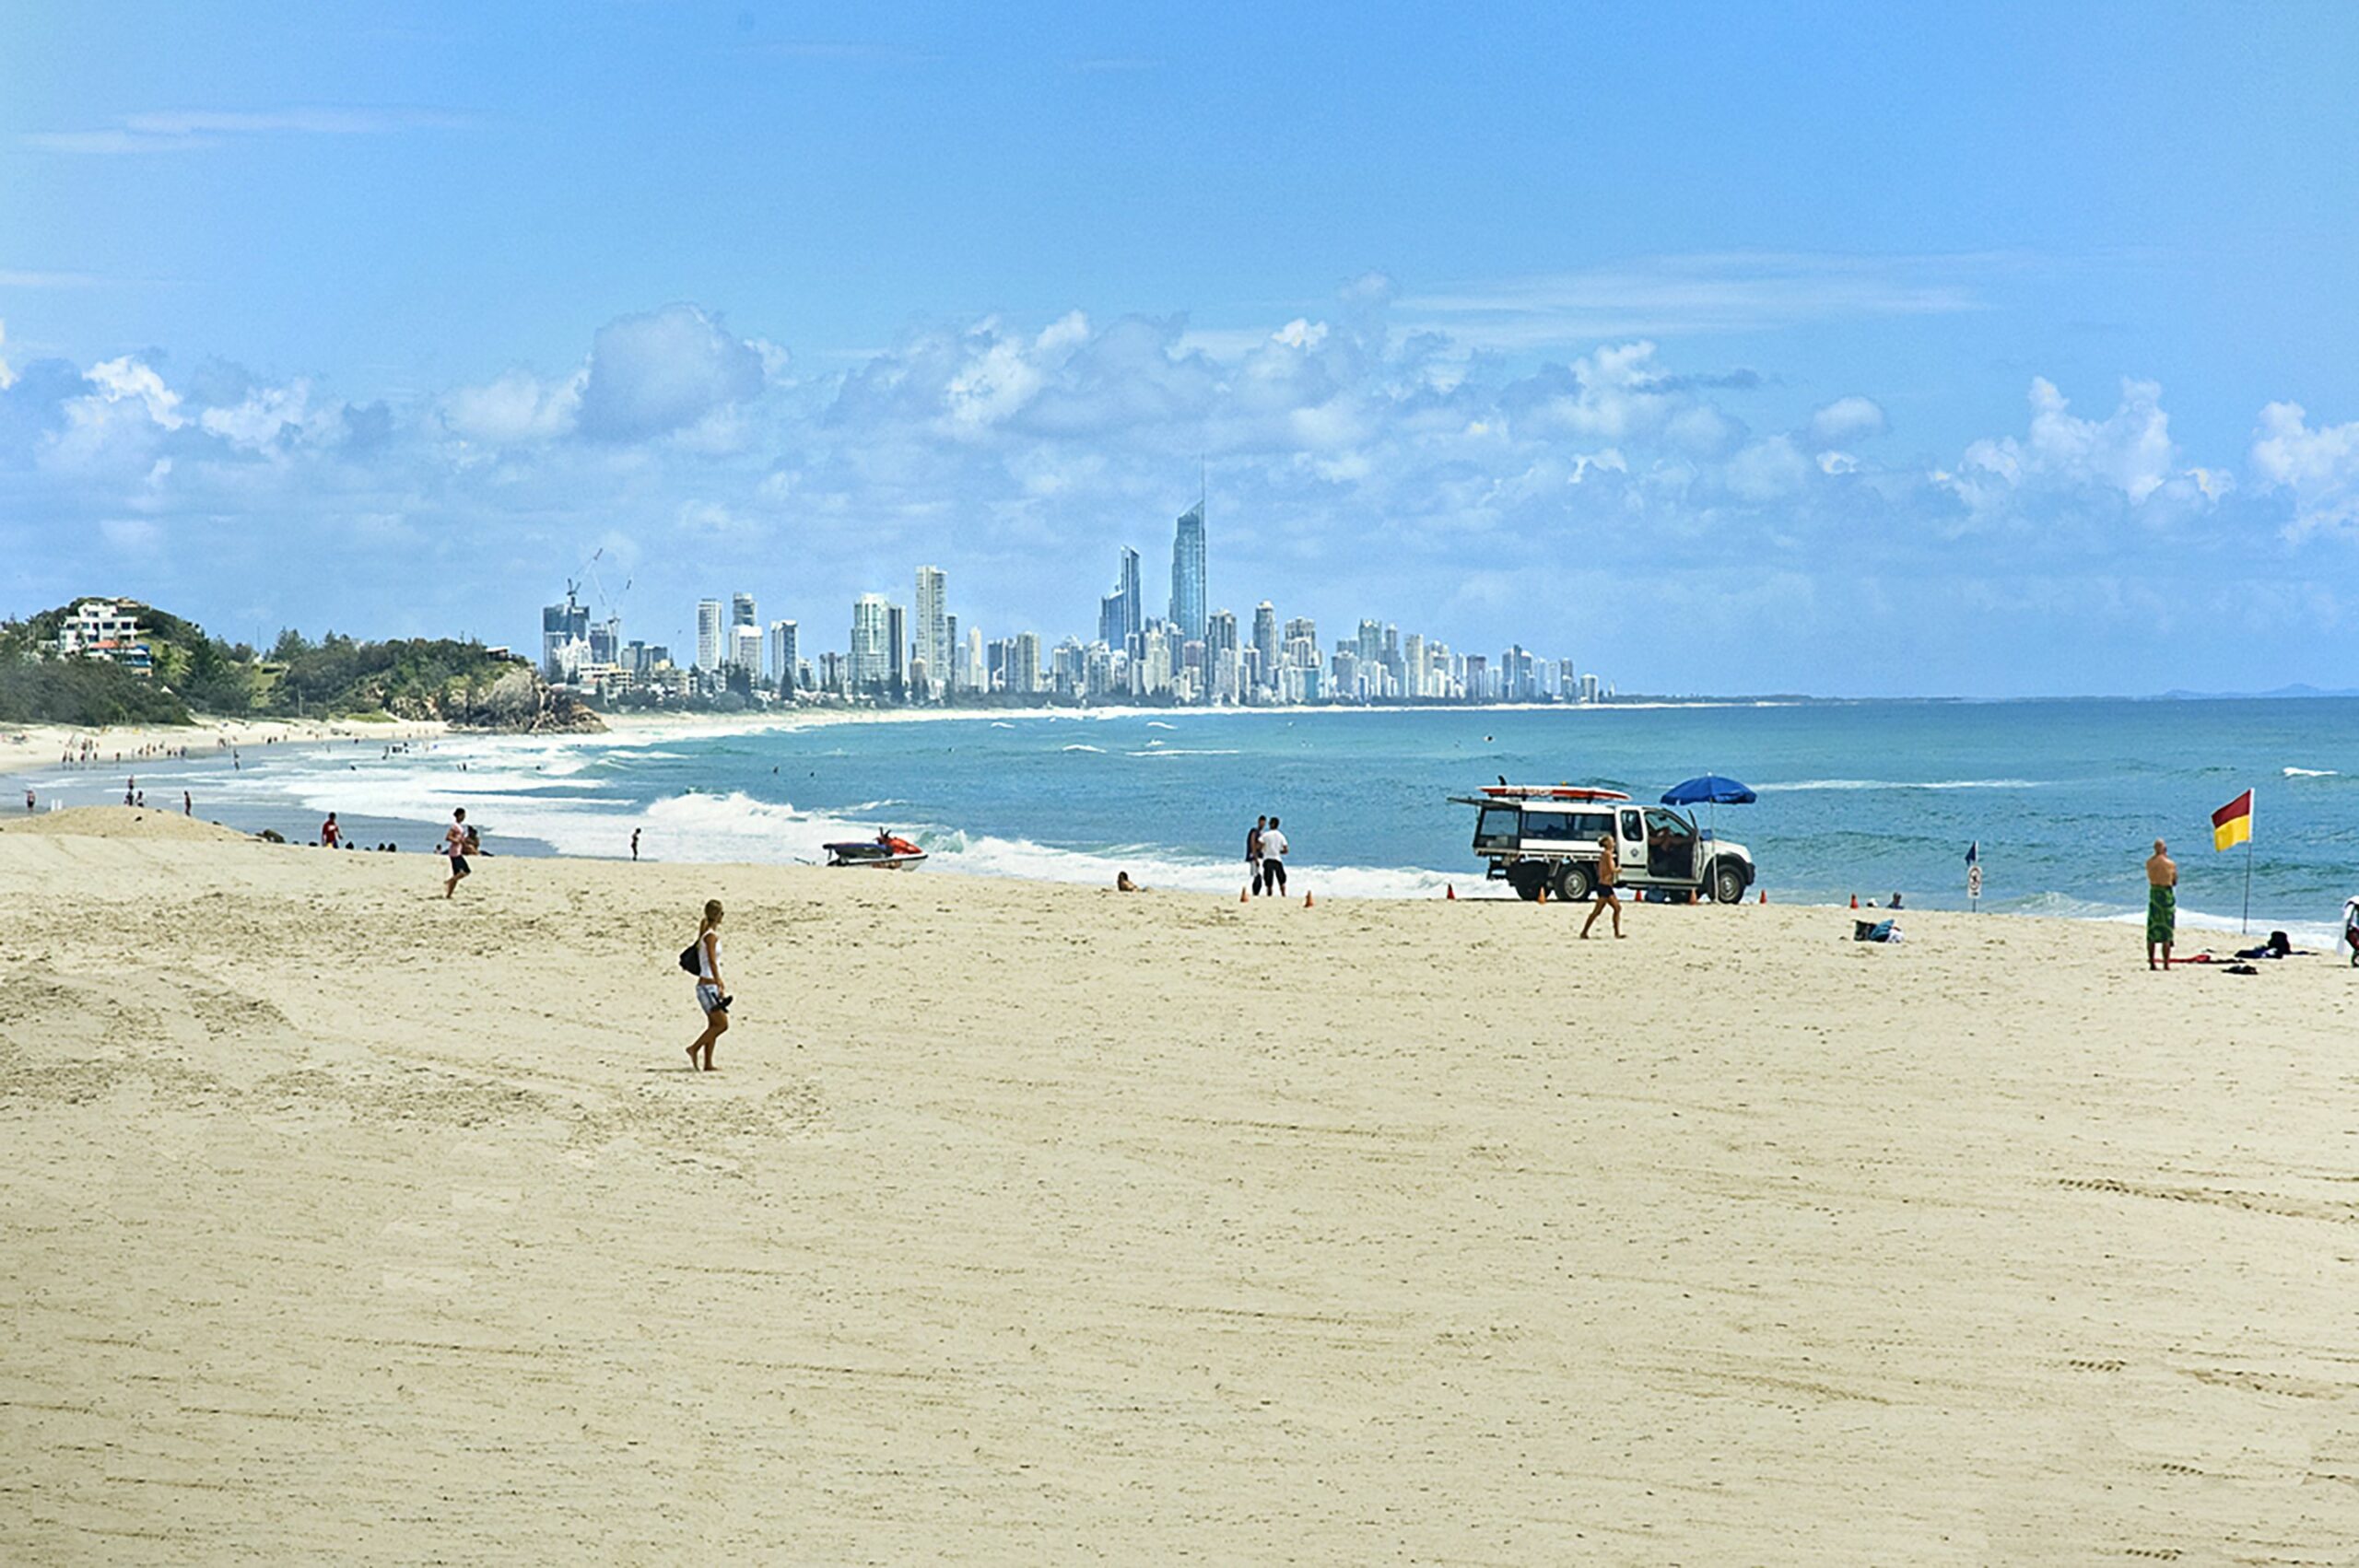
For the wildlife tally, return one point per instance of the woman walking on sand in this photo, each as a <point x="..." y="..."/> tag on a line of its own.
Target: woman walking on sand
<point x="712" y="999"/>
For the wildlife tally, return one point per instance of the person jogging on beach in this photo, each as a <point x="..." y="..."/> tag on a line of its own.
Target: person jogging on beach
<point x="1609" y="878"/>
<point x="2162" y="903"/>
<point x="454" y="847"/>
<point x="712" y="1000"/>
<point x="1253" y="851"/>
<point x="1273" y="858"/>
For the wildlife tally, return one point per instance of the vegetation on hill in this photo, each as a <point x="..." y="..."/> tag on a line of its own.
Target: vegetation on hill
<point x="461" y="683"/>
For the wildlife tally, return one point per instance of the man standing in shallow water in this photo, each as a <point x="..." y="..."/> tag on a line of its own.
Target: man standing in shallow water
<point x="2162" y="903"/>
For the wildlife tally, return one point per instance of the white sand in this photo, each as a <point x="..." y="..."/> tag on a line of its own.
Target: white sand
<point x="1033" y="1224"/>
<point x="25" y="747"/>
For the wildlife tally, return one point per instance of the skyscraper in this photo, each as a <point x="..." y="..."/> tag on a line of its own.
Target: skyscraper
<point x="1187" y="573"/>
<point x="709" y="634"/>
<point x="740" y="609"/>
<point x="869" y="665"/>
<point x="1120" y="614"/>
<point x="563" y="626"/>
<point x="786" y="655"/>
<point x="746" y="650"/>
<point x="1265" y="641"/>
<point x="934" y="627"/>
<point x="897" y="635"/>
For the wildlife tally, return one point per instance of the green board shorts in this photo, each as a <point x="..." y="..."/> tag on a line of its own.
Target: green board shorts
<point x="2161" y="913"/>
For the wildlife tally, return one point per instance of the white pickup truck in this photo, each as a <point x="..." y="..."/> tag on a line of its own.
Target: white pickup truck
<point x="1544" y="836"/>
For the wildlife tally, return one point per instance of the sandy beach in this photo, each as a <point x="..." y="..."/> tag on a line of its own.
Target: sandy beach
<point x="25" y="747"/>
<point x="1032" y="1223"/>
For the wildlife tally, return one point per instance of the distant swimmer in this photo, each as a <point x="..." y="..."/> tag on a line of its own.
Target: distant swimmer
<point x="2161" y="904"/>
<point x="712" y="997"/>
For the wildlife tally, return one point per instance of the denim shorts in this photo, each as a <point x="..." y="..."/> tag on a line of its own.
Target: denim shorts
<point x="709" y="997"/>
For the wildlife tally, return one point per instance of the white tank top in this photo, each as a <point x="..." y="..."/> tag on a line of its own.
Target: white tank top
<point x="706" y="957"/>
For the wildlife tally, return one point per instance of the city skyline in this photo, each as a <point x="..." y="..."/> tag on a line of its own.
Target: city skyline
<point x="891" y="655"/>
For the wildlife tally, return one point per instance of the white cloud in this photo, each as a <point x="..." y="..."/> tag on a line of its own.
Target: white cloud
<point x="1768" y="470"/>
<point x="1846" y="420"/>
<point x="516" y="409"/>
<point x="2320" y="464"/>
<point x="128" y="381"/>
<point x="2128" y="452"/>
<point x="8" y="377"/>
<point x="668" y="369"/>
<point x="1730" y="291"/>
<point x="184" y="130"/>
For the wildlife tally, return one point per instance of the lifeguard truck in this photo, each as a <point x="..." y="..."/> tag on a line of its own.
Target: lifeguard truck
<point x="1543" y="837"/>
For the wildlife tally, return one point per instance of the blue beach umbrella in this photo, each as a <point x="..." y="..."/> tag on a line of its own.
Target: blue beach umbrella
<point x="1709" y="789"/>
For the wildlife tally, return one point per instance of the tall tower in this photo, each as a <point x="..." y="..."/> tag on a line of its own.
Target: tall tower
<point x="1188" y="572"/>
<point x="740" y="609"/>
<point x="1265" y="641"/>
<point x="869" y="665"/>
<point x="934" y="627"/>
<point x="708" y="654"/>
<point x="1133" y="609"/>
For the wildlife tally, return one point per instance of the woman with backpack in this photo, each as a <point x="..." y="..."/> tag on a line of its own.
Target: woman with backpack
<point x="702" y="959"/>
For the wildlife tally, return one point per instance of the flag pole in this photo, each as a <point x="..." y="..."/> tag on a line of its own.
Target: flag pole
<point x="2249" y="813"/>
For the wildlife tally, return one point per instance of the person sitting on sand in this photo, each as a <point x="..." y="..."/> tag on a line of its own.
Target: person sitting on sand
<point x="1609" y="878"/>
<point x="712" y="1001"/>
<point x="2162" y="903"/>
<point x="454" y="847"/>
<point x="1122" y="884"/>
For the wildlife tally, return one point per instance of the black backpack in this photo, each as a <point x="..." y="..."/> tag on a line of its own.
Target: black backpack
<point x="690" y="958"/>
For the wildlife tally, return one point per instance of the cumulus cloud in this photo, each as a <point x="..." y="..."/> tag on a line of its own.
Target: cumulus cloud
<point x="1846" y="420"/>
<point x="2129" y="453"/>
<point x="652" y="374"/>
<point x="2318" y="464"/>
<point x="513" y="409"/>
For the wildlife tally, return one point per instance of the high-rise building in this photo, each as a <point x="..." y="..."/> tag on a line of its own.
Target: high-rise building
<point x="1024" y="675"/>
<point x="1120" y="614"/>
<point x="1220" y="635"/>
<point x="1187" y="573"/>
<point x="606" y="640"/>
<point x="1302" y="628"/>
<point x="1412" y="666"/>
<point x="952" y="677"/>
<point x="1265" y="641"/>
<point x="870" y="664"/>
<point x="933" y="640"/>
<point x="740" y="609"/>
<point x="897" y="633"/>
<point x="978" y="678"/>
<point x="786" y="655"/>
<point x="746" y="650"/>
<point x="709" y="634"/>
<point x="564" y="634"/>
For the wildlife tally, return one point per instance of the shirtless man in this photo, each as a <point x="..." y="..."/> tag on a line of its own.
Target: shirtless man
<point x="1253" y="851"/>
<point x="2161" y="904"/>
<point x="1609" y="877"/>
<point x="454" y="848"/>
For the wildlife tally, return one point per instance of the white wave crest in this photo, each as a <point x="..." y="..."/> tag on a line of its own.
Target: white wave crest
<point x="2311" y="773"/>
<point x="1803" y="784"/>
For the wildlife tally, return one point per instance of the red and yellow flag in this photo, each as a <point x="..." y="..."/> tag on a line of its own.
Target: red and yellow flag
<point x="2232" y="823"/>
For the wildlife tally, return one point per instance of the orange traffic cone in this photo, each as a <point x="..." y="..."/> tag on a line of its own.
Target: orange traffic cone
<point x="1450" y="890"/>
<point x="1544" y="894"/>
<point x="1855" y="901"/>
<point x="1242" y="894"/>
<point x="1691" y="896"/>
<point x="1306" y="900"/>
<point x="1765" y="895"/>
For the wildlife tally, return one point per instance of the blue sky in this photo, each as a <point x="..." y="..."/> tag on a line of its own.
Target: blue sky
<point x="1845" y="348"/>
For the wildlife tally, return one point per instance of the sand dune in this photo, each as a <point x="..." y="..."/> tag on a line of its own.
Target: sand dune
<point x="1031" y="1223"/>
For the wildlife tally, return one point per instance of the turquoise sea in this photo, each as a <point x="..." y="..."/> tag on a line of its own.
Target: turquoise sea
<point x="1867" y="798"/>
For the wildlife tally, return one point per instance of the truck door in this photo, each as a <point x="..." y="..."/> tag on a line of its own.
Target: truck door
<point x="1632" y="844"/>
<point x="1671" y="846"/>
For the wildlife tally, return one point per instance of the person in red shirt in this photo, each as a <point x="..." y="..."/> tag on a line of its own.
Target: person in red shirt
<point x="330" y="835"/>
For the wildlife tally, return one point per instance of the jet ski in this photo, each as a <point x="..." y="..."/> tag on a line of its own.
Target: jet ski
<point x="886" y="852"/>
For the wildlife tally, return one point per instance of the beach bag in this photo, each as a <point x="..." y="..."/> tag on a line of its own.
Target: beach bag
<point x="688" y="958"/>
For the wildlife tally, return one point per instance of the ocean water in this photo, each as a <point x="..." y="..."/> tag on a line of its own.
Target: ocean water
<point x="1867" y="798"/>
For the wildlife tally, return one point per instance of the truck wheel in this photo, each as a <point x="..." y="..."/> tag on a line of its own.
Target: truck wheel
<point x="1573" y="880"/>
<point x="1527" y="877"/>
<point x="1728" y="883"/>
